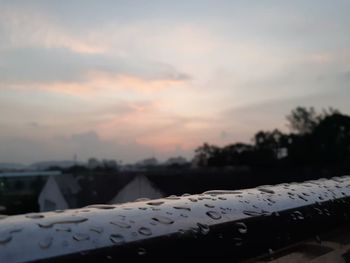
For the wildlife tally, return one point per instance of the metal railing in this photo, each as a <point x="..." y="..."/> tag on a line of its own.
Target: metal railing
<point x="236" y="224"/>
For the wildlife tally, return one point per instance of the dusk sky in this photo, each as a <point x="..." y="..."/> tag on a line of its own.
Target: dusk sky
<point x="129" y="79"/>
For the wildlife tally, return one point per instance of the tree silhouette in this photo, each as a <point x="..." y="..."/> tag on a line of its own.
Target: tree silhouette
<point x="331" y="139"/>
<point x="317" y="140"/>
<point x="206" y="154"/>
<point x="303" y="120"/>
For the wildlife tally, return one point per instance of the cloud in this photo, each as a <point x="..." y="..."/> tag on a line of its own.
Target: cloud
<point x="86" y="138"/>
<point x="34" y="125"/>
<point x="121" y="79"/>
<point x="268" y="114"/>
<point x="28" y="27"/>
<point x="60" y="70"/>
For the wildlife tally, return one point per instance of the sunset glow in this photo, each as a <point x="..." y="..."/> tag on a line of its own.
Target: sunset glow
<point x="158" y="78"/>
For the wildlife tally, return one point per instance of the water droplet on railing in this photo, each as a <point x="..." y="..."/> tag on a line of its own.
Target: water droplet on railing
<point x="222" y="192"/>
<point x="181" y="232"/>
<point x="145" y="231"/>
<point x="117" y="239"/>
<point x="173" y="197"/>
<point x="101" y="206"/>
<point x="203" y="228"/>
<point x="209" y="205"/>
<point x="238" y="241"/>
<point x="276" y="214"/>
<point x="15" y="229"/>
<point x="120" y="224"/>
<point x="242" y="227"/>
<point x="46" y="242"/>
<point x="252" y="213"/>
<point x="182" y="208"/>
<point x="194" y="231"/>
<point x="65" y="220"/>
<point x="319" y="211"/>
<point x="96" y="229"/>
<point x="5" y="238"/>
<point x="163" y="220"/>
<point x="63" y="228"/>
<point x="303" y="198"/>
<point x="81" y="237"/>
<point x="265" y="190"/>
<point x="142" y="199"/>
<point x="214" y="215"/>
<point x="141" y="251"/>
<point x="326" y="212"/>
<point x="270" y="200"/>
<point x="155" y="203"/>
<point x="298" y="215"/>
<point x="192" y="199"/>
<point x="34" y="216"/>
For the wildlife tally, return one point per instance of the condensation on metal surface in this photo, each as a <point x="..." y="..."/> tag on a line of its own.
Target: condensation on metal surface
<point x="52" y="234"/>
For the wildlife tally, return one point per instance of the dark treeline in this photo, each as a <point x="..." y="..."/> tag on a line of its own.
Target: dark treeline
<point x="318" y="145"/>
<point x="317" y="142"/>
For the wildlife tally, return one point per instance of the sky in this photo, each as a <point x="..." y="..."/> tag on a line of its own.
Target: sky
<point x="127" y="79"/>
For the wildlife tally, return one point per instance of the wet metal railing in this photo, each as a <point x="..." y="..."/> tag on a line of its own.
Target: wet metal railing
<point x="216" y="224"/>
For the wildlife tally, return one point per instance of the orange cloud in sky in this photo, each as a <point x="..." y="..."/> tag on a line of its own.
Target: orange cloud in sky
<point x="149" y="125"/>
<point x="128" y="81"/>
<point x="97" y="82"/>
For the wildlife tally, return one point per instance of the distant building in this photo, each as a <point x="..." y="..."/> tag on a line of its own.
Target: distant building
<point x="139" y="187"/>
<point x="59" y="192"/>
<point x="93" y="163"/>
<point x="130" y="168"/>
<point x="66" y="191"/>
<point x="28" y="174"/>
<point x="110" y="164"/>
<point x="148" y="162"/>
<point x="100" y="187"/>
<point x="176" y="161"/>
<point x="18" y="183"/>
<point x="49" y="164"/>
<point x="8" y="167"/>
<point x="19" y="190"/>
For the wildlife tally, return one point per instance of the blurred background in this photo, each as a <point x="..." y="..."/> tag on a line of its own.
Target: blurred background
<point x="114" y="101"/>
